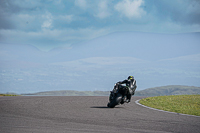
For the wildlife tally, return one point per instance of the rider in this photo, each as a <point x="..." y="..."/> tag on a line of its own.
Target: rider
<point x="131" y="85"/>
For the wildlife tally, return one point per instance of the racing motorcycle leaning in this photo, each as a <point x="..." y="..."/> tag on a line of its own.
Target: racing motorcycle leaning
<point x="117" y="95"/>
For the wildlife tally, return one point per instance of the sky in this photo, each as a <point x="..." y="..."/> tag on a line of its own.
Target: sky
<point x="48" y="24"/>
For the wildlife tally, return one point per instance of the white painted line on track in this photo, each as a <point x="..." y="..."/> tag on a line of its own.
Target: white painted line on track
<point x="137" y="102"/>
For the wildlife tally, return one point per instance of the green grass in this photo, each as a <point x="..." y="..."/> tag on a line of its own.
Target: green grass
<point x="8" y="95"/>
<point x="185" y="104"/>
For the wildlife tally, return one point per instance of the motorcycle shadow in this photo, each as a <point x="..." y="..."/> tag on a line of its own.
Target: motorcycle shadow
<point x="104" y="107"/>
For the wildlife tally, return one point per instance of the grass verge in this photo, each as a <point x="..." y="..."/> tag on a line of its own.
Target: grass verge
<point x="8" y="95"/>
<point x="185" y="104"/>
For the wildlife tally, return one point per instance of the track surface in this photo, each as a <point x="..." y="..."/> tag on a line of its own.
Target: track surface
<point x="87" y="114"/>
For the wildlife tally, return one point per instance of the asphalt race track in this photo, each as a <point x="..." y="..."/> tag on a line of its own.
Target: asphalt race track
<point x="60" y="114"/>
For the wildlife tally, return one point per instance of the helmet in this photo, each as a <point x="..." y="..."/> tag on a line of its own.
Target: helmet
<point x="130" y="77"/>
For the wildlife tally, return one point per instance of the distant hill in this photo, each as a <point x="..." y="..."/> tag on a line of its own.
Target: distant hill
<point x="169" y="90"/>
<point x="157" y="91"/>
<point x="71" y="93"/>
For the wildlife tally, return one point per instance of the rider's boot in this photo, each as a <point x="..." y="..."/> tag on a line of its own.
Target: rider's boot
<point x="128" y="100"/>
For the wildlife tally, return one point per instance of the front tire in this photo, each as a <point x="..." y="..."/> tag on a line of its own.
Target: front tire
<point x="115" y="101"/>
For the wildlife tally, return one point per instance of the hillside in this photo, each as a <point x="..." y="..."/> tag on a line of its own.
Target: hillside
<point x="157" y="91"/>
<point x="169" y="90"/>
<point x="71" y="93"/>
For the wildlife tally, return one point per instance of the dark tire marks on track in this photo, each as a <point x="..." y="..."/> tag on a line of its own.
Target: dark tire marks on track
<point x="54" y="114"/>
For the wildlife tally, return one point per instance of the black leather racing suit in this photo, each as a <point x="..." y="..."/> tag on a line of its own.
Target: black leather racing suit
<point x="131" y="84"/>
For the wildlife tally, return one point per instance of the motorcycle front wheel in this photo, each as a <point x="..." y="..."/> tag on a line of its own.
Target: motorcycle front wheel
<point x="115" y="101"/>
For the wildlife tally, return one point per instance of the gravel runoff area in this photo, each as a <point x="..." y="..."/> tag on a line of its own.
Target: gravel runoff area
<point x="87" y="114"/>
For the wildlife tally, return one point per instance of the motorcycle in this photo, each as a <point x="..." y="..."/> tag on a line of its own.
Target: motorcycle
<point x="117" y="95"/>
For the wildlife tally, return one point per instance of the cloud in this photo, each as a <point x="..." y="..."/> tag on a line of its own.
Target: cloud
<point x="103" y="10"/>
<point x="47" y="38"/>
<point x="112" y="60"/>
<point x="94" y="62"/>
<point x="131" y="8"/>
<point x="47" y="24"/>
<point x="188" y="58"/>
<point x="65" y="18"/>
<point x="181" y="12"/>
<point x="67" y="22"/>
<point x="81" y="3"/>
<point x="48" y="20"/>
<point x="25" y="4"/>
